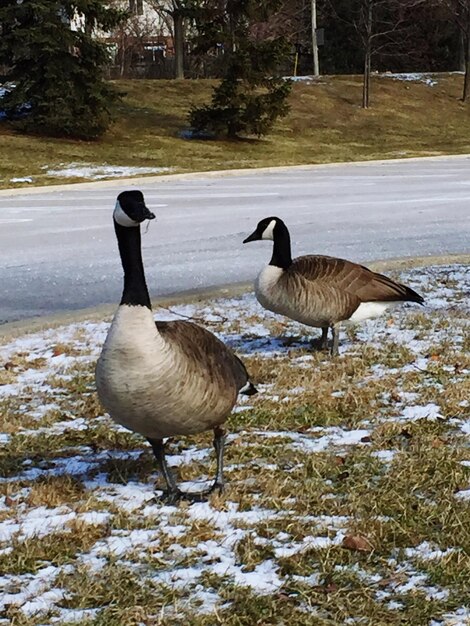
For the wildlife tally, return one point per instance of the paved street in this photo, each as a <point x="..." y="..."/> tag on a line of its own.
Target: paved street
<point x="58" y="252"/>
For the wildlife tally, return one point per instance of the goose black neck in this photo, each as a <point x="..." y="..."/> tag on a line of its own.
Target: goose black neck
<point x="135" y="288"/>
<point x="281" y="249"/>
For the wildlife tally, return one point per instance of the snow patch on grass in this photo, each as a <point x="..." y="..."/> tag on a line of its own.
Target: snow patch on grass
<point x="295" y="477"/>
<point x="99" y="172"/>
<point x="415" y="77"/>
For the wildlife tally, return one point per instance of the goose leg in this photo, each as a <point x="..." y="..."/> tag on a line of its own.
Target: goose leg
<point x="334" y="348"/>
<point x="324" y="338"/>
<point x="173" y="493"/>
<point x="219" y="443"/>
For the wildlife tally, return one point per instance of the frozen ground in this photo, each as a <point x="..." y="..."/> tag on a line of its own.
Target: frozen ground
<point x="348" y="493"/>
<point x="58" y="249"/>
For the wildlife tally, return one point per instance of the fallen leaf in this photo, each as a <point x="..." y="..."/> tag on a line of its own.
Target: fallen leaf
<point x="395" y="579"/>
<point x="281" y="595"/>
<point x="357" y="542"/>
<point x="328" y="587"/>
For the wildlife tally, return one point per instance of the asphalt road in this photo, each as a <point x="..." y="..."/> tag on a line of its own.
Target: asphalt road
<point x="58" y="252"/>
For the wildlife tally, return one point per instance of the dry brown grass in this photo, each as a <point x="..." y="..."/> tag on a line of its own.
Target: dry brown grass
<point x="392" y="490"/>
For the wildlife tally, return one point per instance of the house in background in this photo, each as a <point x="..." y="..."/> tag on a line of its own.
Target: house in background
<point x="143" y="44"/>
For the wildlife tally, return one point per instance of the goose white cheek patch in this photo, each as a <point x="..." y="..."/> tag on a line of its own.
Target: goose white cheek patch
<point x="121" y="218"/>
<point x="268" y="232"/>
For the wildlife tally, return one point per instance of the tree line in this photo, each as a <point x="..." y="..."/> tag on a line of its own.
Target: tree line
<point x="58" y="71"/>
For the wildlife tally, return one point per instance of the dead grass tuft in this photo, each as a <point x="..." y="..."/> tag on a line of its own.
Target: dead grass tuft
<point x="54" y="491"/>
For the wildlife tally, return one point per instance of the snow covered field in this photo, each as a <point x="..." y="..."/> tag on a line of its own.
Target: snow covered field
<point x="348" y="493"/>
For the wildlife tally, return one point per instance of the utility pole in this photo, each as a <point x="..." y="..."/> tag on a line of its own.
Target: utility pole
<point x="316" y="65"/>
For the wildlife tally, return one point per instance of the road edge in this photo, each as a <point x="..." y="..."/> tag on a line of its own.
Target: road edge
<point x="162" y="178"/>
<point x="12" y="330"/>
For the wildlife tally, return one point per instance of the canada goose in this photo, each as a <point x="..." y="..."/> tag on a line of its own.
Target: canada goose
<point x="321" y="291"/>
<point x="162" y="379"/>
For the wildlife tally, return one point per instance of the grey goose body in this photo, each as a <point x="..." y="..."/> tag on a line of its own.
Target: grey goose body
<point x="322" y="291"/>
<point x="162" y="379"/>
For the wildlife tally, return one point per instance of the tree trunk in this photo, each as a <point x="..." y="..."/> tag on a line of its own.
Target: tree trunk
<point x="466" y="80"/>
<point x="123" y="54"/>
<point x="178" y="43"/>
<point x="231" y="28"/>
<point x="461" y="52"/>
<point x="367" y="57"/>
<point x="316" y="65"/>
<point x="366" y="82"/>
<point x="88" y="27"/>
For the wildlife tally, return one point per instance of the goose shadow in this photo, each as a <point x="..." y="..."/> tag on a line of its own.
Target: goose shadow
<point x="250" y="345"/>
<point x="109" y="470"/>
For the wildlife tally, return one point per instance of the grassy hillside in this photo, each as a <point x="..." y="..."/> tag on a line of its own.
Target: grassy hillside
<point x="326" y="124"/>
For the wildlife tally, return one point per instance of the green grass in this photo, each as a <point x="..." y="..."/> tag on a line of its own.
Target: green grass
<point x="326" y="124"/>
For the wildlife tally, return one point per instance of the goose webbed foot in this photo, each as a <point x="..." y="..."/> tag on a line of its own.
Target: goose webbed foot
<point x="216" y="487"/>
<point x="173" y="494"/>
<point x="171" y="497"/>
<point x="174" y="497"/>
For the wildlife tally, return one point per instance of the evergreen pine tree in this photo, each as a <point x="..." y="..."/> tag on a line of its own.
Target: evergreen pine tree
<point x="57" y="71"/>
<point x="250" y="97"/>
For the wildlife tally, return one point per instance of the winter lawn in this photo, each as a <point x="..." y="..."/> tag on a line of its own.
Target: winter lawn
<point x="348" y="495"/>
<point x="326" y="124"/>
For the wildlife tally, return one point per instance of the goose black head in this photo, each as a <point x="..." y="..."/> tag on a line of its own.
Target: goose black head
<point x="266" y="229"/>
<point x="130" y="209"/>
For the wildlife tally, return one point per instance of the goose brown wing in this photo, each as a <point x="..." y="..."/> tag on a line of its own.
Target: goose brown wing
<point x="203" y="351"/>
<point x="352" y="278"/>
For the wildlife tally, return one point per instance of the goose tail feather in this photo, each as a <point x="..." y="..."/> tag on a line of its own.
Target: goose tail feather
<point x="248" y="389"/>
<point x="413" y="296"/>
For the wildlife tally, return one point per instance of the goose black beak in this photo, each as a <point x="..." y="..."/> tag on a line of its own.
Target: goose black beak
<point x="139" y="213"/>
<point x="149" y="215"/>
<point x="253" y="237"/>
